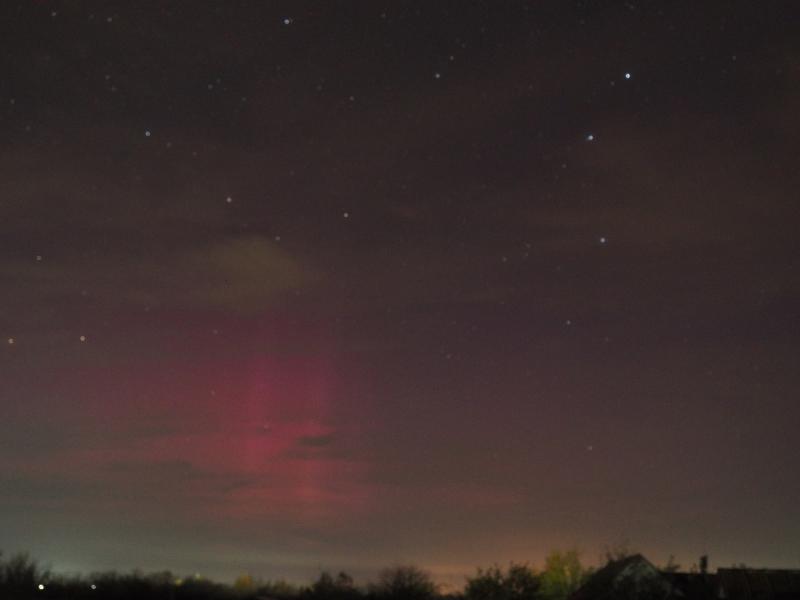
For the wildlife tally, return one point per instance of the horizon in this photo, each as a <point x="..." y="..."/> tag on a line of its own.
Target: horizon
<point x="450" y="578"/>
<point x="447" y="578"/>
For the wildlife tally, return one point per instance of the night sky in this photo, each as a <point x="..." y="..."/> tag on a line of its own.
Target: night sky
<point x="288" y="286"/>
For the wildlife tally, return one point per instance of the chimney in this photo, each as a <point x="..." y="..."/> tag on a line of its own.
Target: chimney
<point x="704" y="564"/>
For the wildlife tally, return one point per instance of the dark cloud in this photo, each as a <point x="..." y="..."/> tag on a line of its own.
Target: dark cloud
<point x="316" y="441"/>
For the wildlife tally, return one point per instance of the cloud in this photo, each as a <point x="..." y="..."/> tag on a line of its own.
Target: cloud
<point x="85" y="230"/>
<point x="316" y="441"/>
<point x="241" y="274"/>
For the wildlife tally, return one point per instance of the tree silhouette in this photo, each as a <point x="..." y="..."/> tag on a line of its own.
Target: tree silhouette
<point x="329" y="588"/>
<point x="20" y="575"/>
<point x="519" y="582"/>
<point x="562" y="574"/>
<point x="404" y="583"/>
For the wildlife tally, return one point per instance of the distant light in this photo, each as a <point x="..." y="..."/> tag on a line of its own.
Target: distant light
<point x="346" y="215"/>
<point x="82" y="338"/>
<point x="627" y="75"/>
<point x="287" y="21"/>
<point x="38" y="258"/>
<point x="147" y="133"/>
<point x="603" y="240"/>
<point x="437" y="75"/>
<point x="41" y="586"/>
<point x="93" y="586"/>
<point x="590" y="137"/>
<point x="11" y="341"/>
<point x="228" y="199"/>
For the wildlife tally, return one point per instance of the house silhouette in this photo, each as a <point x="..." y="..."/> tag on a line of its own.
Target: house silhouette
<point x="636" y="578"/>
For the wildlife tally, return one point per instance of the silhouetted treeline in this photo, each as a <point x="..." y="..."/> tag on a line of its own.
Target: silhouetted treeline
<point x="22" y="578"/>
